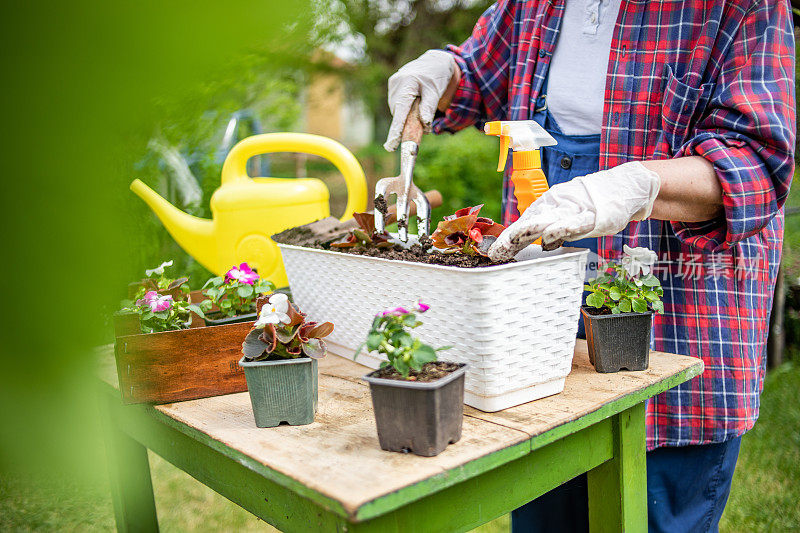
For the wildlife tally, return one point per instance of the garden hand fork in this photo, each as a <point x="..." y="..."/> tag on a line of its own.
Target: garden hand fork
<point x="403" y="185"/>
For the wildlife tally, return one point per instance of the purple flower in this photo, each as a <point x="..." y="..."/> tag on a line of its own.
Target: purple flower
<point x="421" y="307"/>
<point x="155" y="301"/>
<point x="242" y="274"/>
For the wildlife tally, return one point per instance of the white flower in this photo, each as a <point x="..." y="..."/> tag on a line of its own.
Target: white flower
<point x="274" y="311"/>
<point x="637" y="260"/>
<point x="158" y="270"/>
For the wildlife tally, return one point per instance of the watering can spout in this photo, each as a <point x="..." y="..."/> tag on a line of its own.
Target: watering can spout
<point x="193" y="234"/>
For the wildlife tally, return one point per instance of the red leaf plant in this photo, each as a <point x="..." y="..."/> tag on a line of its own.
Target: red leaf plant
<point x="365" y="235"/>
<point x="464" y="231"/>
<point x="282" y="332"/>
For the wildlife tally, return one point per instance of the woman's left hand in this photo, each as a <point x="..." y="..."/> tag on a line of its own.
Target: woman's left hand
<point x="602" y="203"/>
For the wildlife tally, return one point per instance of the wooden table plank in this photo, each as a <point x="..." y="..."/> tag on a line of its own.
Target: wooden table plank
<point x="337" y="458"/>
<point x="587" y="391"/>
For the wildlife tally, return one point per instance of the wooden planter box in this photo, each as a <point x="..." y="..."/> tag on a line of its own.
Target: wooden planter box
<point x="174" y="366"/>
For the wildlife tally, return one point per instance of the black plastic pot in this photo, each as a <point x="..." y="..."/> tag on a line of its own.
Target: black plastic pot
<point x="422" y="418"/>
<point x="618" y="342"/>
<point x="249" y="317"/>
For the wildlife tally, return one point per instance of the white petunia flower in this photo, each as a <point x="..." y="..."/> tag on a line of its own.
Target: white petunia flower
<point x="159" y="269"/>
<point x="638" y="260"/>
<point x="274" y="311"/>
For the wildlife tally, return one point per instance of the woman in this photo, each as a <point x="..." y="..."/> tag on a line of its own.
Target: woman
<point x="675" y="123"/>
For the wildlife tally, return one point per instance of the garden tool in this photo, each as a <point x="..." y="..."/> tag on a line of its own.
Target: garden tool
<point x="403" y="185"/>
<point x="247" y="211"/>
<point x="332" y="229"/>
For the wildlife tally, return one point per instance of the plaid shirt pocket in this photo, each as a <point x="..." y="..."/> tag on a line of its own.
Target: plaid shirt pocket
<point x="682" y="104"/>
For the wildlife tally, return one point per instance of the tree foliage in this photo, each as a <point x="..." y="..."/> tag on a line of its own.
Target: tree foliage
<point x="388" y="33"/>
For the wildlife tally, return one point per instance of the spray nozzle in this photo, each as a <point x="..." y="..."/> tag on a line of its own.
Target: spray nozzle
<point x="519" y="135"/>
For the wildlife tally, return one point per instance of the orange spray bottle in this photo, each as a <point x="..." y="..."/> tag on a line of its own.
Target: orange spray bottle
<point x="524" y="137"/>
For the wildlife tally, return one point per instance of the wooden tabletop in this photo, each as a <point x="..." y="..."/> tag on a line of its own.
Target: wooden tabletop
<point x="337" y="461"/>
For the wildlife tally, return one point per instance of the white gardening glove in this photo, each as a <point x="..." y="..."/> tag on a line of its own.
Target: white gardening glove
<point x="602" y="203"/>
<point x="426" y="77"/>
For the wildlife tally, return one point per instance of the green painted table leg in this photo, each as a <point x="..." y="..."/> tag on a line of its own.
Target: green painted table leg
<point x="618" y="488"/>
<point x="129" y="477"/>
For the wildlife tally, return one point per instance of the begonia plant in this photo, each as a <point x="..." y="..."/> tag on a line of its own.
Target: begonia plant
<point x="466" y="232"/>
<point x="628" y="286"/>
<point x="235" y="293"/>
<point x="161" y="312"/>
<point x="388" y="336"/>
<point x="365" y="235"/>
<point x="282" y="332"/>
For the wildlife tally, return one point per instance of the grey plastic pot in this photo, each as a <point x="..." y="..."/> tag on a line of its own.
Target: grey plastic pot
<point x="249" y="317"/>
<point x="618" y="342"/>
<point x="282" y="391"/>
<point x="422" y="418"/>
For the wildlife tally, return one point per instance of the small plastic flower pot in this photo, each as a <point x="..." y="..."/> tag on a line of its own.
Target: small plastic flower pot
<point x="249" y="317"/>
<point x="422" y="418"/>
<point x="282" y="391"/>
<point x="618" y="342"/>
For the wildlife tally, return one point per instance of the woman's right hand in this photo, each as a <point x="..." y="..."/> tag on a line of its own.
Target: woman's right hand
<point x="427" y="77"/>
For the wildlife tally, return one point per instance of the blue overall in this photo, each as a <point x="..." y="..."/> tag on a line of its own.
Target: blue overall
<point x="687" y="487"/>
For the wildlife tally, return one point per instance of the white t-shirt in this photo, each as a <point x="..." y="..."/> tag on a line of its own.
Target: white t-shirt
<point x="577" y="76"/>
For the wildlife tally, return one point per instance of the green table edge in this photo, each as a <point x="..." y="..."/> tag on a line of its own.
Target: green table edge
<point x="392" y="501"/>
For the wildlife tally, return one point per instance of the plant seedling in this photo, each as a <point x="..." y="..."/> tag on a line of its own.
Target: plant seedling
<point x="282" y="332"/>
<point x="629" y="286"/>
<point x="365" y="235"/>
<point x="466" y="232"/>
<point x="388" y="336"/>
<point x="161" y="312"/>
<point x="235" y="293"/>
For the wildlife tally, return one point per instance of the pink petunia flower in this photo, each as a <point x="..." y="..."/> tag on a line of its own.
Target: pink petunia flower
<point x="155" y="301"/>
<point x="421" y="307"/>
<point x="242" y="274"/>
<point x="395" y="311"/>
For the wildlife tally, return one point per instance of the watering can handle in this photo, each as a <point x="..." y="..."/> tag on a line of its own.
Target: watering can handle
<point x="235" y="166"/>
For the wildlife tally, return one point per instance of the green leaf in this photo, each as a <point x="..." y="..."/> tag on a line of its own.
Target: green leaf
<point x="373" y="340"/>
<point x="252" y="345"/>
<point x="196" y="309"/>
<point x="400" y="366"/>
<point x="651" y="295"/>
<point x="425" y="354"/>
<point x="376" y="322"/>
<point x="615" y="310"/>
<point x="244" y="291"/>
<point x="614" y="294"/>
<point x="658" y="306"/>
<point x="651" y="281"/>
<point x="639" y="305"/>
<point x="625" y="305"/>
<point x="410" y="320"/>
<point x="595" y="300"/>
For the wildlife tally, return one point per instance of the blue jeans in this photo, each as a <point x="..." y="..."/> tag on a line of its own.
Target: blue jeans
<point x="687" y="489"/>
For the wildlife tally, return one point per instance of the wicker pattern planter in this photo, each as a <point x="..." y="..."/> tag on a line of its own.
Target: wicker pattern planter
<point x="513" y="324"/>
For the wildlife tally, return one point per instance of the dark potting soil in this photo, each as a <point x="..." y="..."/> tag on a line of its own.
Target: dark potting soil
<point x="430" y="372"/>
<point x="380" y="205"/>
<point x="595" y="311"/>
<point x="417" y="253"/>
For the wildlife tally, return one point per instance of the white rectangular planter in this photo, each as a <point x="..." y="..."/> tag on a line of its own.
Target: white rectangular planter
<point x="514" y="324"/>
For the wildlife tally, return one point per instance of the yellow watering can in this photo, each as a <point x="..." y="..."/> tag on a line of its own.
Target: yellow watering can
<point x="247" y="211"/>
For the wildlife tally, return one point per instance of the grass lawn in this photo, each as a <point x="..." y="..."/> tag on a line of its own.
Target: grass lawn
<point x="765" y="492"/>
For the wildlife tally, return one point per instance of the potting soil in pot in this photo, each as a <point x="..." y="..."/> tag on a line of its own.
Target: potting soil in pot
<point x="430" y="372"/>
<point x="416" y="253"/>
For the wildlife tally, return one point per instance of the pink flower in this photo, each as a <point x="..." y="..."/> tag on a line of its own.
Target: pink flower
<point x="421" y="307"/>
<point x="395" y="311"/>
<point x="155" y="301"/>
<point x="243" y="274"/>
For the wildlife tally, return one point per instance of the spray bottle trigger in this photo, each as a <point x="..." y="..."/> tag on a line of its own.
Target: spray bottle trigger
<point x="505" y="140"/>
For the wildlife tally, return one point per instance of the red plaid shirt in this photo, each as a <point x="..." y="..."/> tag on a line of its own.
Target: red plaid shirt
<point x="714" y="79"/>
